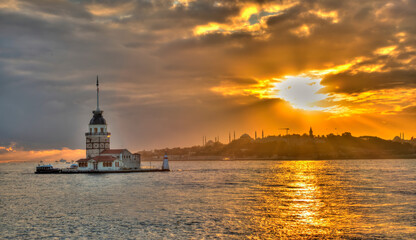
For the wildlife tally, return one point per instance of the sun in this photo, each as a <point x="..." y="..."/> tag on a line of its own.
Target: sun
<point x="301" y="92"/>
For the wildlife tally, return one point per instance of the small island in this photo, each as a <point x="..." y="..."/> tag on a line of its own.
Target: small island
<point x="100" y="158"/>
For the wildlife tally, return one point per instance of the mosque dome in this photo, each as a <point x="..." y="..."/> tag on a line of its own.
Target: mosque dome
<point x="245" y="136"/>
<point x="397" y="139"/>
<point x="97" y="119"/>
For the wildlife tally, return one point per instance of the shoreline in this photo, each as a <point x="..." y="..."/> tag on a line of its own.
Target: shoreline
<point x="248" y="159"/>
<point x="279" y="159"/>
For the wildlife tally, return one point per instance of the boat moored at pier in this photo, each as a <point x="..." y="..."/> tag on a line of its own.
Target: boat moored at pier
<point x="48" y="168"/>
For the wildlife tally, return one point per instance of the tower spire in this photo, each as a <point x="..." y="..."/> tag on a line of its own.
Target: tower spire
<point x="98" y="98"/>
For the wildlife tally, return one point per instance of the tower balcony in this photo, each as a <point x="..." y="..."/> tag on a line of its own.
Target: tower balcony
<point x="97" y="133"/>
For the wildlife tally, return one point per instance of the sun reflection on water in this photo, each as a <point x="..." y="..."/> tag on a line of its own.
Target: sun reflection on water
<point x="300" y="199"/>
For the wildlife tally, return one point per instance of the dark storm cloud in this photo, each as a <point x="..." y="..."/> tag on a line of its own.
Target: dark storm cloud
<point x="410" y="110"/>
<point x="57" y="7"/>
<point x="157" y="75"/>
<point x="364" y="81"/>
<point x="200" y="12"/>
<point x="284" y="52"/>
<point x="240" y="80"/>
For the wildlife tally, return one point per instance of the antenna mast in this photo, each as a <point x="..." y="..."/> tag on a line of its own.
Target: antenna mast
<point x="98" y="98"/>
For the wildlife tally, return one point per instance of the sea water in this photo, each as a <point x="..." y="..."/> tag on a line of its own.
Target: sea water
<point x="348" y="199"/>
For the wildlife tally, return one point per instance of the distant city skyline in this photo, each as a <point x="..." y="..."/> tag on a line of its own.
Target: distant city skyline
<point x="400" y="135"/>
<point x="174" y="71"/>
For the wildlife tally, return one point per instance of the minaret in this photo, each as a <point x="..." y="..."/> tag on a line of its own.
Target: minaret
<point x="310" y="132"/>
<point x="97" y="139"/>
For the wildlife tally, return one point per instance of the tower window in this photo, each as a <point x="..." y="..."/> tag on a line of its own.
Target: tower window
<point x="102" y="129"/>
<point x="95" y="130"/>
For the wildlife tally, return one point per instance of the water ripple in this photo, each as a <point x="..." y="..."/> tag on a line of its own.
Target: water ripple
<point x="360" y="199"/>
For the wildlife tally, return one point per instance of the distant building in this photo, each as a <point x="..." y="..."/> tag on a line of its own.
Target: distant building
<point x="346" y="134"/>
<point x="99" y="155"/>
<point x="397" y="139"/>
<point x="210" y="143"/>
<point x="310" y="132"/>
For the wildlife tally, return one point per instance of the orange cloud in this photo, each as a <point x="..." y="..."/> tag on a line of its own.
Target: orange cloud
<point x="12" y="154"/>
<point x="9" y="148"/>
<point x="302" y="31"/>
<point x="385" y="50"/>
<point x="9" y="4"/>
<point x="242" y="21"/>
<point x="384" y="101"/>
<point x="332" y="15"/>
<point x="260" y="89"/>
<point x="102" y="10"/>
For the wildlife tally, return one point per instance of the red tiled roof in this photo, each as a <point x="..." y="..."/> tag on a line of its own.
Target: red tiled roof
<point x="83" y="160"/>
<point x="104" y="158"/>
<point x="98" y="159"/>
<point x="113" y="151"/>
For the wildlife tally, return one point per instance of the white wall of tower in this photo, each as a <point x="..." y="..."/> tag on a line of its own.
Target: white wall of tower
<point x="96" y="143"/>
<point x="97" y="140"/>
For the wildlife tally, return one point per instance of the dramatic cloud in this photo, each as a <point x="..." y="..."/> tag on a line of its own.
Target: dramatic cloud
<point x="12" y="154"/>
<point x="173" y="71"/>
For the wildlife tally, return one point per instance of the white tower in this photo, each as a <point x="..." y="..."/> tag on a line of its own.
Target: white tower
<point x="165" y="165"/>
<point x="97" y="139"/>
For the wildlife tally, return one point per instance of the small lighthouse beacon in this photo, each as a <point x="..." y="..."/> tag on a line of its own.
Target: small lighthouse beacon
<point x="165" y="165"/>
<point x="97" y="139"/>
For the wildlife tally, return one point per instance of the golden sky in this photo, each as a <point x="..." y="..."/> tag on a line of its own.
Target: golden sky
<point x="174" y="71"/>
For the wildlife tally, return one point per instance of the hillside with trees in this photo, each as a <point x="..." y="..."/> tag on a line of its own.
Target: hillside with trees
<point x="294" y="146"/>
